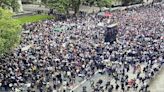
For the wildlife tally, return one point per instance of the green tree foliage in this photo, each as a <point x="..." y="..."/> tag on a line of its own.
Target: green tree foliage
<point x="63" y="6"/>
<point x="76" y="5"/>
<point x="103" y="3"/>
<point x="9" y="31"/>
<point x="45" y="2"/>
<point x="10" y="4"/>
<point x="100" y="3"/>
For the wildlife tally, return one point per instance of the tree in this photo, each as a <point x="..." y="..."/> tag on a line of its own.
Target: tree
<point x="45" y="2"/>
<point x="61" y="6"/>
<point x="103" y="3"/>
<point x="10" y="4"/>
<point x="100" y="3"/>
<point x="76" y="5"/>
<point x="20" y="6"/>
<point x="15" y="5"/>
<point x="9" y="31"/>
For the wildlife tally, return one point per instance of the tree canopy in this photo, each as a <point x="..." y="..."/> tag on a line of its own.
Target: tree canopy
<point x="9" y="31"/>
<point x="64" y="6"/>
<point x="10" y="4"/>
<point x="61" y="6"/>
<point x="102" y="3"/>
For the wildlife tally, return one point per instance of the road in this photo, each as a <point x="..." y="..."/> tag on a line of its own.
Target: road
<point x="157" y="84"/>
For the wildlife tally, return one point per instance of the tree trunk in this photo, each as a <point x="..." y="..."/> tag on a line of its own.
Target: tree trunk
<point x="39" y="1"/>
<point x="76" y="6"/>
<point x="76" y="10"/>
<point x="20" y="6"/>
<point x="67" y="12"/>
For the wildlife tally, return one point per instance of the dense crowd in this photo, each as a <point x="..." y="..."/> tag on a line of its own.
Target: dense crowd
<point x="53" y="55"/>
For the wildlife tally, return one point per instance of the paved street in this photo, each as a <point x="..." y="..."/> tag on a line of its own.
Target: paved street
<point x="157" y="85"/>
<point x="105" y="79"/>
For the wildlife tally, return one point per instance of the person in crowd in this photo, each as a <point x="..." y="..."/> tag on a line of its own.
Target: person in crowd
<point x="53" y="55"/>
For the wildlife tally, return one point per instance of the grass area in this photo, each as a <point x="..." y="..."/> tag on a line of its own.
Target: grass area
<point x="33" y="18"/>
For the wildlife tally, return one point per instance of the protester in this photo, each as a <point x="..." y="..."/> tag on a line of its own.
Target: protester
<point x="53" y="55"/>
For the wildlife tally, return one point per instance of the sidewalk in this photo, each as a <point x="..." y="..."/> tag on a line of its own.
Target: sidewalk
<point x="157" y="84"/>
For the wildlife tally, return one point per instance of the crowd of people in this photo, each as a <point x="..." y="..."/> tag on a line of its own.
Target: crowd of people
<point x="53" y="55"/>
